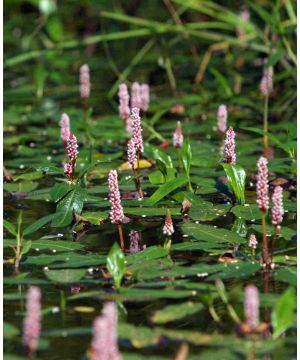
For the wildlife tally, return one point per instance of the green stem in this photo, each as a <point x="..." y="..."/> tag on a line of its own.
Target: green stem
<point x="155" y="133"/>
<point x="265" y="240"/>
<point x="273" y="242"/>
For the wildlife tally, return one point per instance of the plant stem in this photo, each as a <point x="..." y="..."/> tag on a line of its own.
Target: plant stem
<point x="19" y="244"/>
<point x="266" y="139"/>
<point x="276" y="230"/>
<point x="265" y="240"/>
<point x="120" y="230"/>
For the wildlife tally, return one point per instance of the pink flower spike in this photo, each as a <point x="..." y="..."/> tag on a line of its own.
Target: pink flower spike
<point x="64" y="127"/>
<point x="68" y="169"/>
<point x="251" y="306"/>
<point x="229" y="147"/>
<point x="84" y="79"/>
<point x="168" y="228"/>
<point x="32" y="321"/>
<point x="266" y="84"/>
<point x="116" y="215"/>
<point x="71" y="147"/>
<point x="222" y="118"/>
<point x="277" y="210"/>
<point x="104" y="344"/>
<point x="131" y="153"/>
<point x="178" y="136"/>
<point x="137" y="130"/>
<point x="252" y="241"/>
<point x="262" y="187"/>
<point x="124" y="109"/>
<point x="135" y="95"/>
<point x="145" y="96"/>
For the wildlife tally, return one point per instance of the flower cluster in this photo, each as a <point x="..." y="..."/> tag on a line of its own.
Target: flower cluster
<point x="135" y="95"/>
<point x="65" y="131"/>
<point x="124" y="109"/>
<point x="222" y="118"/>
<point x="277" y="210"/>
<point x="84" y="79"/>
<point x="229" y="147"/>
<point x="136" y="244"/>
<point x="144" y="96"/>
<point x="131" y="153"/>
<point x="71" y="147"/>
<point x="116" y="215"/>
<point x="136" y="135"/>
<point x="252" y="241"/>
<point x="262" y="187"/>
<point x="104" y="344"/>
<point x="266" y="84"/>
<point x="68" y="169"/>
<point x="168" y="228"/>
<point x="178" y="136"/>
<point x="251" y="306"/>
<point x="32" y="321"/>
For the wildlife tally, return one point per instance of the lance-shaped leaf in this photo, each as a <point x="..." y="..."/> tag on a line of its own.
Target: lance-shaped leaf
<point x="116" y="264"/>
<point x="236" y="176"/>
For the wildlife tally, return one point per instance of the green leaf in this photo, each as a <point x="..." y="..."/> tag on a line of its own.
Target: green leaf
<point x="23" y="186"/>
<point x="38" y="224"/>
<point x="236" y="176"/>
<point x="59" y="190"/>
<point x="288" y="275"/>
<point x="34" y="175"/>
<point x="65" y="276"/>
<point x="26" y="247"/>
<point x="166" y="189"/>
<point x="176" y="312"/>
<point x="10" y="227"/>
<point x="73" y="201"/>
<point x="9" y="331"/>
<point x="283" y="316"/>
<point x="247" y="212"/>
<point x="186" y="157"/>
<point x="211" y="234"/>
<point x="116" y="264"/>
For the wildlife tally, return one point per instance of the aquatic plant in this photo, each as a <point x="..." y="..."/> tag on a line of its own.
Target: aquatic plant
<point x="277" y="214"/>
<point x="168" y="228"/>
<point x="65" y="130"/>
<point x="32" y="320"/>
<point x="178" y="136"/>
<point x="144" y="97"/>
<point x="116" y="214"/>
<point x="104" y="344"/>
<point x="262" y="199"/>
<point x="135" y="96"/>
<point x="71" y="147"/>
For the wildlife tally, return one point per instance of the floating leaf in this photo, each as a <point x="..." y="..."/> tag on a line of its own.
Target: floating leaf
<point x="37" y="224"/>
<point x="247" y="212"/>
<point x="65" y="276"/>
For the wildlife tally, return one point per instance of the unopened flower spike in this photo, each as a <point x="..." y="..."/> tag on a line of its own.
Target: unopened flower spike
<point x="65" y="131"/>
<point x="85" y="85"/>
<point x="229" y="147"/>
<point x="251" y="306"/>
<point x="32" y="321"/>
<point x="178" y="136"/>
<point x="168" y="228"/>
<point x="266" y="84"/>
<point x="277" y="210"/>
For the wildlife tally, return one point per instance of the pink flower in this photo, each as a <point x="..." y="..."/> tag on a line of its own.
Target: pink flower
<point x="252" y="241"/>
<point x="262" y="187"/>
<point x="68" y="169"/>
<point x="32" y="321"/>
<point x="136" y="130"/>
<point x="64" y="127"/>
<point x="116" y="215"/>
<point x="178" y="136"/>
<point x="222" y="118"/>
<point x="251" y="306"/>
<point x="266" y="84"/>
<point x="75" y="289"/>
<point x="124" y="109"/>
<point x="229" y="147"/>
<point x="135" y="96"/>
<point x="105" y="334"/>
<point x="277" y="210"/>
<point x="84" y="79"/>
<point x="145" y="96"/>
<point x="168" y="228"/>
<point x="71" y="147"/>
<point x="131" y="153"/>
